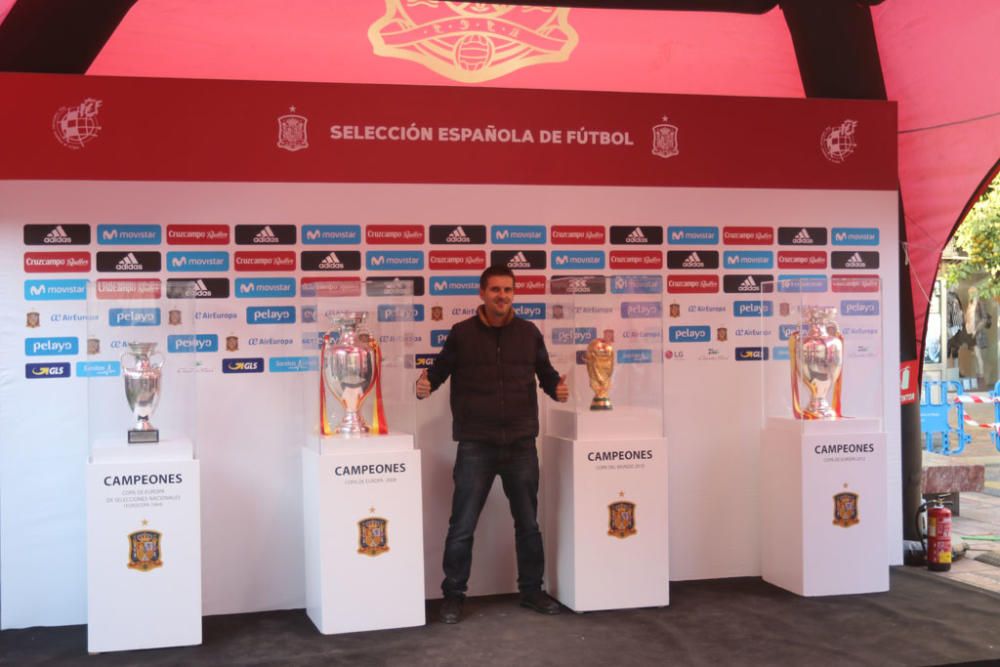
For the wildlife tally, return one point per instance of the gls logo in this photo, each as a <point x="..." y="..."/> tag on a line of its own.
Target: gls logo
<point x="751" y="354"/>
<point x="196" y="343"/>
<point x="45" y="347"/>
<point x="271" y="315"/>
<point x="134" y="317"/>
<point x="55" y="290"/>
<point x="41" y="371"/>
<point x="260" y="288"/>
<point x="753" y="308"/>
<point x="694" y="334"/>
<point x="519" y="234"/>
<point x="129" y="235"/>
<point x="252" y="365"/>
<point x="397" y="313"/>
<point x="205" y="260"/>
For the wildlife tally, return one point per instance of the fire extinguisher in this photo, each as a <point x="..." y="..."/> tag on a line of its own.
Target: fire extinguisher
<point x="938" y="548"/>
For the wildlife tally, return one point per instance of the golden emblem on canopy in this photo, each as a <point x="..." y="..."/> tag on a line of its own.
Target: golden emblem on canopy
<point x="472" y="42"/>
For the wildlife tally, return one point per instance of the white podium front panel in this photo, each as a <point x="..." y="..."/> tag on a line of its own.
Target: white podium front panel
<point x="823" y="506"/>
<point x="143" y="553"/>
<point x="605" y="520"/>
<point x="363" y="539"/>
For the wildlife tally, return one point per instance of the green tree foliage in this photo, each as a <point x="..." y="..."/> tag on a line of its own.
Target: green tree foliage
<point x="978" y="237"/>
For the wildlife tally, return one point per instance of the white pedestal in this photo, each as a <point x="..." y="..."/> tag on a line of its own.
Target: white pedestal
<point x="625" y="421"/>
<point x="813" y="542"/>
<point x="590" y="563"/>
<point x="148" y="596"/>
<point x="358" y="580"/>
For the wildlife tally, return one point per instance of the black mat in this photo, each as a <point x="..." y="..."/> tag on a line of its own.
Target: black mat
<point x="923" y="620"/>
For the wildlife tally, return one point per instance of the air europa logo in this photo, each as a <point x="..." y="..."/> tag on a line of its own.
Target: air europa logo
<point x="55" y="235"/>
<point x="129" y="234"/>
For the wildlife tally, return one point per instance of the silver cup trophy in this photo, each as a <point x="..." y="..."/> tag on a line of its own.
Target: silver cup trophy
<point x="818" y="361"/>
<point x="143" y="386"/>
<point x="350" y="369"/>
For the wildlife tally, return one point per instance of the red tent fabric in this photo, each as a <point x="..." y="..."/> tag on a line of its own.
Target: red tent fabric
<point x="937" y="64"/>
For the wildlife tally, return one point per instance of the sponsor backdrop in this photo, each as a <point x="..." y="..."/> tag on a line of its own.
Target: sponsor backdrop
<point x="254" y="191"/>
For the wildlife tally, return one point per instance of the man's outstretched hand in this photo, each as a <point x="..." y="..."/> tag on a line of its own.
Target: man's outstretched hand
<point x="423" y="386"/>
<point x="562" y="391"/>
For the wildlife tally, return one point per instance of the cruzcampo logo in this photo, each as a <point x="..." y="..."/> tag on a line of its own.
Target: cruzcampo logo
<point x="472" y="41"/>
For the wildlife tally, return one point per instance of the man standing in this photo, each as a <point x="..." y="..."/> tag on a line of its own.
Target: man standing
<point x="493" y="359"/>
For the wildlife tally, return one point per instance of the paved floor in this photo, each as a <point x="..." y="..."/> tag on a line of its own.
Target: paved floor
<point x="979" y="523"/>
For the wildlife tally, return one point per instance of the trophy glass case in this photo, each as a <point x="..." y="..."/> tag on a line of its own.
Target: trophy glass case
<point x="141" y="359"/>
<point x="820" y="352"/>
<point x="610" y="348"/>
<point x="358" y="386"/>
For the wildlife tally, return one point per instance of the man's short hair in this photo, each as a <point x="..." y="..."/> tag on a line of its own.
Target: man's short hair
<point x="495" y="270"/>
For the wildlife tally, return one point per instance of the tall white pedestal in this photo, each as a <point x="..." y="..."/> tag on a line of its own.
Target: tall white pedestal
<point x="143" y="547"/>
<point x="364" y="535"/>
<point x="823" y="506"/>
<point x="605" y="522"/>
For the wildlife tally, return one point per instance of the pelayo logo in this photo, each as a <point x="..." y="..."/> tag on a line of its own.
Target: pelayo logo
<point x="134" y="317"/>
<point x="193" y="343"/>
<point x="859" y="308"/>
<point x="271" y="315"/>
<point x="753" y="308"/>
<point x="690" y="334"/>
<point x="42" y="371"/>
<point x="530" y="311"/>
<point x="249" y="365"/>
<point x="635" y="309"/>
<point x="438" y="337"/>
<point x="48" y="347"/>
<point x="573" y="336"/>
<point x="400" y="313"/>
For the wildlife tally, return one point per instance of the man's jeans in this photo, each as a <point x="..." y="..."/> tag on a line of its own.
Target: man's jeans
<point x="476" y="465"/>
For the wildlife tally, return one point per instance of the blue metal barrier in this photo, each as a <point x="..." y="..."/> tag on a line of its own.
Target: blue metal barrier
<point x="934" y="418"/>
<point x="996" y="415"/>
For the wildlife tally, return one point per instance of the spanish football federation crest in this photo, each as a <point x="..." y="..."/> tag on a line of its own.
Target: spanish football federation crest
<point x="472" y="42"/>
<point x="845" y="509"/>
<point x="373" y="538"/>
<point x="838" y="142"/>
<point x="75" y="127"/>
<point x="621" y="519"/>
<point x="665" y="140"/>
<point x="144" y="552"/>
<point x="292" y="134"/>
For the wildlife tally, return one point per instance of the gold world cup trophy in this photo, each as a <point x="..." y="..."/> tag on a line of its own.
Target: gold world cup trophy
<point x="600" y="358"/>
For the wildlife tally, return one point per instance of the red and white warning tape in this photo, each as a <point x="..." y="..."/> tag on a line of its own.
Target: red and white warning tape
<point x="978" y="399"/>
<point x="972" y="422"/>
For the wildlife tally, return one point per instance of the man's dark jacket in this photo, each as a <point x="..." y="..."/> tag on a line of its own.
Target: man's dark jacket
<point x="492" y="370"/>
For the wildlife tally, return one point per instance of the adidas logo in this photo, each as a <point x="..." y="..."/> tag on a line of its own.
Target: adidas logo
<point x="855" y="262"/>
<point x="636" y="236"/>
<point x="518" y="261"/>
<point x="57" y="235"/>
<point x="458" y="235"/>
<point x="200" y="289"/>
<point x="802" y="237"/>
<point x="749" y="285"/>
<point x="265" y="235"/>
<point x="693" y="261"/>
<point x="128" y="263"/>
<point x="331" y="262"/>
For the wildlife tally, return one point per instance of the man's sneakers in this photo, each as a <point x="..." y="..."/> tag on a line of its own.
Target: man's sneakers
<point x="451" y="609"/>
<point x="540" y="602"/>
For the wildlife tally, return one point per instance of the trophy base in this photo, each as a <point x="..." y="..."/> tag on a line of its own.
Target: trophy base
<point x="601" y="404"/>
<point x="145" y="437"/>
